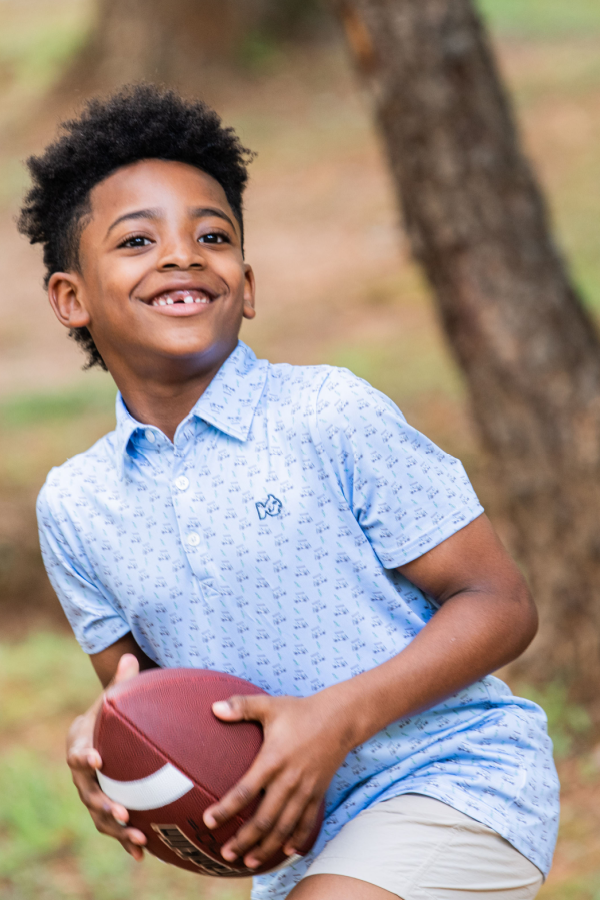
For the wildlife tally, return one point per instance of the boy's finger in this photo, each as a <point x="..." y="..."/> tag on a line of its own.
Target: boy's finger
<point x="303" y="828"/>
<point x="242" y="707"/>
<point x="101" y="803"/>
<point x="133" y="850"/>
<point x="279" y="835"/>
<point x="93" y="798"/>
<point x="94" y="760"/>
<point x="135" y="837"/>
<point x="107" y="824"/>
<point x="127" y="668"/>
<point x="265" y="821"/>
<point x="84" y="758"/>
<point x="238" y="798"/>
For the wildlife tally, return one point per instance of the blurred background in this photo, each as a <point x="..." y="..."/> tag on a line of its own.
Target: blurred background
<point x="335" y="285"/>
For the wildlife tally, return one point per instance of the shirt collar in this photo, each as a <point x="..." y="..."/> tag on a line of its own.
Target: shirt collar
<point x="228" y="403"/>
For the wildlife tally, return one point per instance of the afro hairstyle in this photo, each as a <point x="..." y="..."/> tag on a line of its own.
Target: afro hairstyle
<point x="139" y="122"/>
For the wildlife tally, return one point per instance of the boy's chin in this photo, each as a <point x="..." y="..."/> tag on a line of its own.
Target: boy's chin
<point x="201" y="352"/>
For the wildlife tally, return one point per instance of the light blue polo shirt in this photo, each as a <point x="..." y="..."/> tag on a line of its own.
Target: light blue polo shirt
<point x="263" y="542"/>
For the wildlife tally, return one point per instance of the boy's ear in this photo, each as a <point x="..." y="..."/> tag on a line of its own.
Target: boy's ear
<point x="65" y="294"/>
<point x="249" y="289"/>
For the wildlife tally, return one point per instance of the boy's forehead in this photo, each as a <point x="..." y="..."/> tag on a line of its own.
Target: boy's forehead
<point x="156" y="183"/>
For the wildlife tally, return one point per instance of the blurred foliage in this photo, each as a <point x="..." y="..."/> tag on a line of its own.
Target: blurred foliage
<point x="568" y="724"/>
<point x="39" y="430"/>
<point x="45" y="677"/>
<point x="542" y="18"/>
<point x="290" y="19"/>
<point x="37" y="37"/>
<point x="38" y="409"/>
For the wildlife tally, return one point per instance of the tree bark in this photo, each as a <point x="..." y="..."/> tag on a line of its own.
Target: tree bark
<point x="478" y="225"/>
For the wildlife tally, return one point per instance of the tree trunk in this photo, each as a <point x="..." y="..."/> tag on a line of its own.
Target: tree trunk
<point x="478" y="225"/>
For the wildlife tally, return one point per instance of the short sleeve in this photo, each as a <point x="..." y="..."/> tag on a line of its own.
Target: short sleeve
<point x="406" y="494"/>
<point x="94" y="619"/>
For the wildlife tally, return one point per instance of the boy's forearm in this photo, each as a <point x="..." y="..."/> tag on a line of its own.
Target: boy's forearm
<point x="470" y="636"/>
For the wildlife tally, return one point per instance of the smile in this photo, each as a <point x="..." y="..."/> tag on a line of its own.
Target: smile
<point x="181" y="301"/>
<point x="187" y="296"/>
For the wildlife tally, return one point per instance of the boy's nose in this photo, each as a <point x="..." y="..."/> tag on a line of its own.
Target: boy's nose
<point x="182" y="253"/>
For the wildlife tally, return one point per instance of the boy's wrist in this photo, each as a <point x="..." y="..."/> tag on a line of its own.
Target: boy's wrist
<point x="348" y="704"/>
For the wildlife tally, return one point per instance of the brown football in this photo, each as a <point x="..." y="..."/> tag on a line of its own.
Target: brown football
<point x="166" y="758"/>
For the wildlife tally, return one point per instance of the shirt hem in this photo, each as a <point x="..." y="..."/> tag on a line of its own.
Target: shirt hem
<point x="113" y="639"/>
<point x="442" y="532"/>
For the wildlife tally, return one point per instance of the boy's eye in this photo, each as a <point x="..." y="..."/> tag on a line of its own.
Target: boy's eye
<point x="214" y="237"/>
<point x="136" y="240"/>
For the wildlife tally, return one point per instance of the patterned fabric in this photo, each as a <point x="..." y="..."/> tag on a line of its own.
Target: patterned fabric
<point x="263" y="542"/>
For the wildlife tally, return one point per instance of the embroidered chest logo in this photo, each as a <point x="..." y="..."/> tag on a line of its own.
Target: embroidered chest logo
<point x="271" y="507"/>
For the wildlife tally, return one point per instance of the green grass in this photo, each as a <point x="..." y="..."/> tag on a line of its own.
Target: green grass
<point x="23" y="410"/>
<point x="542" y="18"/>
<point x="41" y="430"/>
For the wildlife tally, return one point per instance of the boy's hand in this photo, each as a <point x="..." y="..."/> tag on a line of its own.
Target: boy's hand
<point x="109" y="817"/>
<point x="305" y="742"/>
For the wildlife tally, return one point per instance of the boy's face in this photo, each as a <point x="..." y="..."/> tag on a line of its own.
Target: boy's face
<point x="162" y="284"/>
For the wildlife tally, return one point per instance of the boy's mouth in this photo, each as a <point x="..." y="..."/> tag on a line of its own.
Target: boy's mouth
<point x="181" y="301"/>
<point x="186" y="296"/>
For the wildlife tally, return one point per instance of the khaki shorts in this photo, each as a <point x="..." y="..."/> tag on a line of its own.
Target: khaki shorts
<point x="420" y="849"/>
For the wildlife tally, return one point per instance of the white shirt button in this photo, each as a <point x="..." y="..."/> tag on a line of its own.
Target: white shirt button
<point x="150" y="436"/>
<point x="193" y="538"/>
<point x="182" y="483"/>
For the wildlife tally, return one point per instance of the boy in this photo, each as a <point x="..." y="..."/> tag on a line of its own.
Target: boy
<point x="286" y="525"/>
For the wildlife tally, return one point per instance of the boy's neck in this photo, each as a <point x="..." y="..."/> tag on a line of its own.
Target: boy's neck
<point x="164" y="402"/>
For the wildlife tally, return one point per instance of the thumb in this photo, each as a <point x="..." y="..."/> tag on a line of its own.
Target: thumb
<point x="242" y="707"/>
<point x="128" y="668"/>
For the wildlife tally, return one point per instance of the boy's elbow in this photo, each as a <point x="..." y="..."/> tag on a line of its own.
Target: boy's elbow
<point x="525" y="624"/>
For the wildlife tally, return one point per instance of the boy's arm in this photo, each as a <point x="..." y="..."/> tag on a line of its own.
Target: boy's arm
<point x="486" y="619"/>
<point x="105" y="663"/>
<point x="119" y="662"/>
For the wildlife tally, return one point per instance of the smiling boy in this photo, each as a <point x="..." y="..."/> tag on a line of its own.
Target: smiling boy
<point x="284" y="524"/>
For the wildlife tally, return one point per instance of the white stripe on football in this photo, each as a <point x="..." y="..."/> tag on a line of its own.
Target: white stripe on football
<point x="157" y="790"/>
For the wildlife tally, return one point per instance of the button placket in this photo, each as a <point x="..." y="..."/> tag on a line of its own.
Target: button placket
<point x="190" y="518"/>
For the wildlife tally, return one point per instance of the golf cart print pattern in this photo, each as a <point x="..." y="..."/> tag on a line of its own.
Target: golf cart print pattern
<point x="263" y="542"/>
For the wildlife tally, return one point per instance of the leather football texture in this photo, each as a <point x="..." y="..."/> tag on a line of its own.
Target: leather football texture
<point x="166" y="758"/>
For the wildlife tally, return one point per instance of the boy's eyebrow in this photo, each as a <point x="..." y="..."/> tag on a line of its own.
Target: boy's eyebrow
<point x="201" y="211"/>
<point x="196" y="213"/>
<point x="137" y="214"/>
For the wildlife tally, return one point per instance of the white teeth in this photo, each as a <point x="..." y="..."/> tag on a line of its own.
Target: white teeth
<point x="187" y="298"/>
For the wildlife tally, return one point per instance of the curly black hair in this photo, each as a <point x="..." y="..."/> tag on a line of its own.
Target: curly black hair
<point x="139" y="122"/>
